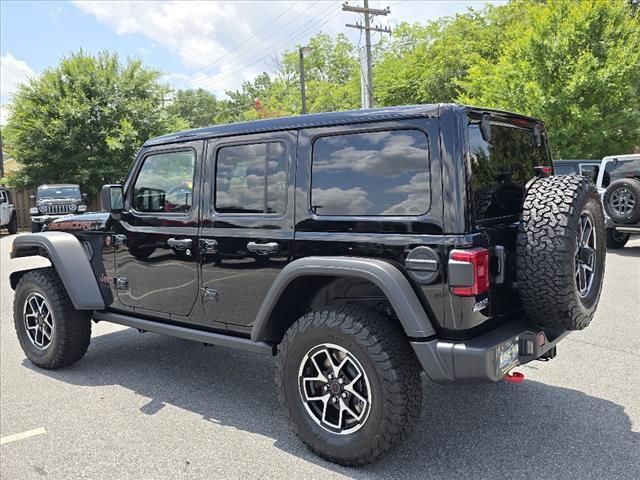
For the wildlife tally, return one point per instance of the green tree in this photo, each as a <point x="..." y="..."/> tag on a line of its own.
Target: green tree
<point x="424" y="63"/>
<point x="576" y="65"/>
<point x="243" y="102"/>
<point x="198" y="107"/>
<point x="84" y="120"/>
<point x="332" y="77"/>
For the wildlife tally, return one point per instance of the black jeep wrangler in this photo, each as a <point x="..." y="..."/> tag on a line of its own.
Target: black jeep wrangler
<point x="54" y="201"/>
<point x="360" y="248"/>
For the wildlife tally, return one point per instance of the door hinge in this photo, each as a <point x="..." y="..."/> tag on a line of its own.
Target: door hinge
<point x="209" y="246"/>
<point x="119" y="239"/>
<point x="210" y="294"/>
<point x="122" y="283"/>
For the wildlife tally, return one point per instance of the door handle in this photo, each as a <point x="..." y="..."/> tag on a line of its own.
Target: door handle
<point x="263" y="248"/>
<point x="209" y="245"/>
<point x="179" y="242"/>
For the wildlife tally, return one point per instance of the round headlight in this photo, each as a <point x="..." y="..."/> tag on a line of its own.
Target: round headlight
<point x="42" y="208"/>
<point x="73" y="207"/>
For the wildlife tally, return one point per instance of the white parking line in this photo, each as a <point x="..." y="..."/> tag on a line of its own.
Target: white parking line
<point x="20" y="436"/>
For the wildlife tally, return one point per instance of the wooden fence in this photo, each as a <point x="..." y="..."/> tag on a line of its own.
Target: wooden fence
<point x="21" y="199"/>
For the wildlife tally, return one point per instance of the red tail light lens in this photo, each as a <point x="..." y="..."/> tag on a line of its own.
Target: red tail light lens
<point x="479" y="259"/>
<point x="543" y="171"/>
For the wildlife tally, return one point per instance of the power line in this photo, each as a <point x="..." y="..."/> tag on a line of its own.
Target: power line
<point x="254" y="35"/>
<point x="261" y="55"/>
<point x="327" y="18"/>
<point x="369" y="13"/>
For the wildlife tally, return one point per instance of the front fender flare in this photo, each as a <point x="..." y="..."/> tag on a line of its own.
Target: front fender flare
<point x="70" y="261"/>
<point x="384" y="275"/>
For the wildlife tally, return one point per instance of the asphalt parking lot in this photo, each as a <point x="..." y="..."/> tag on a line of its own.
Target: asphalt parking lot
<point x="143" y="406"/>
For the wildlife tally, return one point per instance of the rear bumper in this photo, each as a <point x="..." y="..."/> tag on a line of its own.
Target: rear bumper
<point x="623" y="227"/>
<point x="477" y="359"/>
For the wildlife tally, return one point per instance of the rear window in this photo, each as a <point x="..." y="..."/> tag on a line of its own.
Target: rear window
<point x="501" y="167"/>
<point x="379" y="173"/>
<point x="560" y="169"/>
<point x="620" y="169"/>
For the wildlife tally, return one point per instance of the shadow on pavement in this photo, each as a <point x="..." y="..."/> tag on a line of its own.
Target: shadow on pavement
<point x="528" y="431"/>
<point x="626" y="252"/>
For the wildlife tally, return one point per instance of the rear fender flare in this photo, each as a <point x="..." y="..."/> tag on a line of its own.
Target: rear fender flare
<point x="384" y="275"/>
<point x="69" y="259"/>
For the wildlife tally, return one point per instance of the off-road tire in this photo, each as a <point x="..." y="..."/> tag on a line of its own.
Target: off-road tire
<point x="616" y="240"/>
<point x="12" y="227"/>
<point x="632" y="188"/>
<point x="72" y="332"/>
<point x="36" y="227"/>
<point x="547" y="252"/>
<point x="388" y="361"/>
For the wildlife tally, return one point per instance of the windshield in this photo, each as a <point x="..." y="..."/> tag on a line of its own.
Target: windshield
<point x="58" y="192"/>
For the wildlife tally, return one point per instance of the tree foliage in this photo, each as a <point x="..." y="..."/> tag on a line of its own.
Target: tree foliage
<point x="84" y="120"/>
<point x="575" y="65"/>
<point x="197" y="107"/>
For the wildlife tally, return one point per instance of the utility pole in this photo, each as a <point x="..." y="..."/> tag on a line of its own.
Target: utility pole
<point x="368" y="100"/>
<point x="302" y="51"/>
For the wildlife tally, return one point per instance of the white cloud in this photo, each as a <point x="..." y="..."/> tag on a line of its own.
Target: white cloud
<point x="12" y="73"/>
<point x="223" y="43"/>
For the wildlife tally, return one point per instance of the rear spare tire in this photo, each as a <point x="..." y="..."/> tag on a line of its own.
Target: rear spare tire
<point x="561" y="252"/>
<point x="622" y="200"/>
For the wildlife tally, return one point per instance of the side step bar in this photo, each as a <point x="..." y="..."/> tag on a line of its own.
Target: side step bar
<point x="186" y="333"/>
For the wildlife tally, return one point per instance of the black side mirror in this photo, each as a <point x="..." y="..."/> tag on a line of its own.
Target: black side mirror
<point x="112" y="198"/>
<point x="33" y="199"/>
<point x="85" y="196"/>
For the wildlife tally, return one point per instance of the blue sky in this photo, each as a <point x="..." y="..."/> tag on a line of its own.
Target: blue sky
<point x="214" y="45"/>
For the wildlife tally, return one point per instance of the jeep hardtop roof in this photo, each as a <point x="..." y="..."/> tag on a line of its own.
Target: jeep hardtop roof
<point x="328" y="119"/>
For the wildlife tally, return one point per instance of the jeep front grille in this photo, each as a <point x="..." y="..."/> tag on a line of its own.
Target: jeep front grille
<point x="57" y="209"/>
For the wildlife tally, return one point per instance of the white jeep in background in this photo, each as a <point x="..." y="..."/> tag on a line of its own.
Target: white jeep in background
<point x="618" y="183"/>
<point x="8" y="216"/>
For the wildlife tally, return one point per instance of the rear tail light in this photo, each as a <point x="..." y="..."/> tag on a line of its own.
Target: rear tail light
<point x="543" y="171"/>
<point x="478" y="258"/>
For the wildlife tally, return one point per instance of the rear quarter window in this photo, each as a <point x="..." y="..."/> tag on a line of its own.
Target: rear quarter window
<point x="376" y="173"/>
<point x="560" y="169"/>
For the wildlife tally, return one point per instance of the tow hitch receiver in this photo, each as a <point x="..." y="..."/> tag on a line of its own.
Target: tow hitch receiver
<point x="515" y="377"/>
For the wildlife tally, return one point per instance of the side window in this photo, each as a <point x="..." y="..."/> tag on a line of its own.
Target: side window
<point x="165" y="183"/>
<point x="372" y="173"/>
<point x="251" y="179"/>
<point x="3" y="198"/>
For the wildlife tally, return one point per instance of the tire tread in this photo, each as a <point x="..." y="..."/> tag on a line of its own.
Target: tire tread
<point x="73" y="327"/>
<point x="394" y="361"/>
